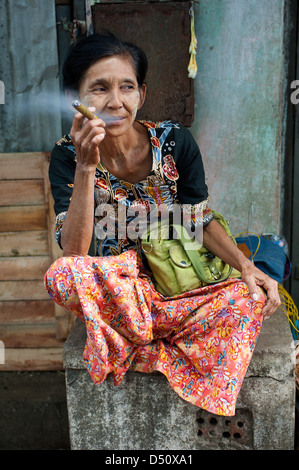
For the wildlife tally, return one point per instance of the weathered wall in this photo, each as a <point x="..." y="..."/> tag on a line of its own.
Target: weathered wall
<point x="29" y="70"/>
<point x="239" y="108"/>
<point x="238" y="98"/>
<point x="238" y="114"/>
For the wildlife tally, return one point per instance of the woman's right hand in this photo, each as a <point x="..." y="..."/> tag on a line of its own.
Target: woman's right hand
<point x="86" y="136"/>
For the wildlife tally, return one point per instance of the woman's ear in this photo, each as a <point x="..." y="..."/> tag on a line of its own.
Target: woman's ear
<point x="142" y="94"/>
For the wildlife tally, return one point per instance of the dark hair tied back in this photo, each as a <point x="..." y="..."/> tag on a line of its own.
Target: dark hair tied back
<point x="92" y="48"/>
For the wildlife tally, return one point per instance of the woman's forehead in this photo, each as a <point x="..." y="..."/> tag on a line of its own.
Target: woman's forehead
<point x="114" y="66"/>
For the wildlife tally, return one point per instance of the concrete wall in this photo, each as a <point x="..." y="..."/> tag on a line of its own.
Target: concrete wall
<point x="238" y="112"/>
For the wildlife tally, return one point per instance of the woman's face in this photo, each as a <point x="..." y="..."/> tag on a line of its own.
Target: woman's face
<point x="110" y="85"/>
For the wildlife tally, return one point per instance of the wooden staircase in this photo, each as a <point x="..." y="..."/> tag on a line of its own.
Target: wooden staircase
<point x="32" y="327"/>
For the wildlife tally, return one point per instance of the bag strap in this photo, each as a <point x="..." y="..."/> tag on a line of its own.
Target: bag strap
<point x="192" y="253"/>
<point x="246" y="235"/>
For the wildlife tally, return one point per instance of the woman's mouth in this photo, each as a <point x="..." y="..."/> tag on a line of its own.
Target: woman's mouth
<point x="113" y="120"/>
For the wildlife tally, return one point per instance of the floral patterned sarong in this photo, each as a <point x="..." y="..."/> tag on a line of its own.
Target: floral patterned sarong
<point x="202" y="341"/>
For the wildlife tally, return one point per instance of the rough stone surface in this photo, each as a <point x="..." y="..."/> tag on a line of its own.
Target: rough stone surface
<point x="144" y="413"/>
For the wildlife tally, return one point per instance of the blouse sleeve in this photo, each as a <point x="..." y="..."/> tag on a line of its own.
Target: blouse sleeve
<point x="61" y="174"/>
<point x="192" y="190"/>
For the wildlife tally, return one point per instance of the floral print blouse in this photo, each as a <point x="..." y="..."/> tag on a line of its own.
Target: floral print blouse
<point x="177" y="178"/>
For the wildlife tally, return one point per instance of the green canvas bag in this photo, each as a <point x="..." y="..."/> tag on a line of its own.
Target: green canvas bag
<point x="182" y="264"/>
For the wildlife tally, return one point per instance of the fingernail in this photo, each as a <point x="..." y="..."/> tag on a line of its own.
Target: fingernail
<point x="255" y="296"/>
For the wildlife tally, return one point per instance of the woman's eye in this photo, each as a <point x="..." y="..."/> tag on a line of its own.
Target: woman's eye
<point x="98" y="89"/>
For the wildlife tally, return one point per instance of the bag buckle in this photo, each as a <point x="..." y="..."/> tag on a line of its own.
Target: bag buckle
<point x="215" y="272"/>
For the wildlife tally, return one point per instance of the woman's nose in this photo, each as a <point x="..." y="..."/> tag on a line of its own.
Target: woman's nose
<point x="114" y="100"/>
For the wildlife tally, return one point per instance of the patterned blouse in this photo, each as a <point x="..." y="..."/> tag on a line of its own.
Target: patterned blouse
<point x="177" y="179"/>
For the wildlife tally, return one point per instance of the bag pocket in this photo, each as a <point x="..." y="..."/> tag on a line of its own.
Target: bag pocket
<point x="182" y="267"/>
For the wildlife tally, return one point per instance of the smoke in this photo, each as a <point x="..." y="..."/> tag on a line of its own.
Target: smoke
<point x="38" y="118"/>
<point x="54" y="105"/>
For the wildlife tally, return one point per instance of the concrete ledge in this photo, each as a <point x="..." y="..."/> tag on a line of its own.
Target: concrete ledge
<point x="144" y="413"/>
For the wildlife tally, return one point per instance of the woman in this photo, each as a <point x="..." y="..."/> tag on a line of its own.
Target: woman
<point x="202" y="340"/>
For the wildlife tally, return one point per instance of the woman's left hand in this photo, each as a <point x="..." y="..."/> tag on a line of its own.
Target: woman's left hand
<point x="218" y="242"/>
<point x="253" y="277"/>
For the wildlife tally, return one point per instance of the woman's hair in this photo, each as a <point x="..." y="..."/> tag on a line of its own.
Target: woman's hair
<point x="95" y="47"/>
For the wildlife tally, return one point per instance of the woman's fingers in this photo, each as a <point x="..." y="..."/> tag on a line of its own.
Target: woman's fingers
<point x="273" y="298"/>
<point x="258" y="278"/>
<point x="86" y="136"/>
<point x="78" y="119"/>
<point x="81" y="126"/>
<point x="90" y="141"/>
<point x="252" y="287"/>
